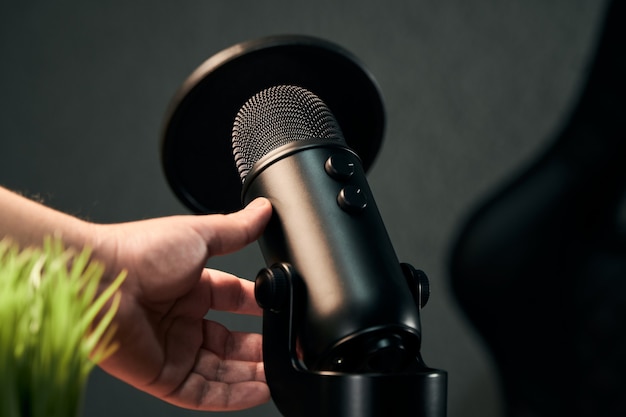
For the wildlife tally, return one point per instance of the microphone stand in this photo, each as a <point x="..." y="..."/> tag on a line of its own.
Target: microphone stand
<point x="299" y="392"/>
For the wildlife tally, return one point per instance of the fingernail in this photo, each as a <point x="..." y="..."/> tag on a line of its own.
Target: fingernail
<point x="256" y="203"/>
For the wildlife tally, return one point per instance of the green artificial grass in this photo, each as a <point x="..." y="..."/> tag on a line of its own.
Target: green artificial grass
<point x="49" y="337"/>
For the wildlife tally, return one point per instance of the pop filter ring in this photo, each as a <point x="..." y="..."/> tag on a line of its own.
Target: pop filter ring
<point x="196" y="149"/>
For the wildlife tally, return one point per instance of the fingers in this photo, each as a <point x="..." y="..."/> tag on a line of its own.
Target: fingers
<point x="230" y="293"/>
<point x="201" y="394"/>
<point x="229" y="345"/>
<point x="214" y="368"/>
<point x="227" y="233"/>
<point x="227" y="374"/>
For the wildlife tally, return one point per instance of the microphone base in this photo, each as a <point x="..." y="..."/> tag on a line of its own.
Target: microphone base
<point x="300" y="392"/>
<point x="310" y="394"/>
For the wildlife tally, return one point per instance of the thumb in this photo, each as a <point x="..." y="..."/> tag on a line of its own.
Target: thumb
<point x="228" y="233"/>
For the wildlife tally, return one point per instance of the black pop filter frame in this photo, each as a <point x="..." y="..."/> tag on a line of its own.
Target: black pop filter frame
<point x="196" y="148"/>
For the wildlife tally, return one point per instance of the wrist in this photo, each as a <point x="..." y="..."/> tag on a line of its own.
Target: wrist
<point x="100" y="238"/>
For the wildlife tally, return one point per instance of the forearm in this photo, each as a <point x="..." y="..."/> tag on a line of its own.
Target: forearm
<point x="28" y="222"/>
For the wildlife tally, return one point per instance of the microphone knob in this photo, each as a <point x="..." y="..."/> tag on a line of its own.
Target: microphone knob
<point x="271" y="287"/>
<point x="352" y="199"/>
<point x="340" y="167"/>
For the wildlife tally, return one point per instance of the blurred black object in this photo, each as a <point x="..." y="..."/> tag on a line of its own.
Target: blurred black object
<point x="540" y="268"/>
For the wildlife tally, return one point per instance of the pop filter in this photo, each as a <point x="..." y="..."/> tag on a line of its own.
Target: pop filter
<point x="196" y="150"/>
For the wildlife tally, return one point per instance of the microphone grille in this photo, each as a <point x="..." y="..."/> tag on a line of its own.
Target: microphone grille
<point x="275" y="117"/>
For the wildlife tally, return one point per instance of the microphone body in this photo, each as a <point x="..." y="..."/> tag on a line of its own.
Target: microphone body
<point x="359" y="314"/>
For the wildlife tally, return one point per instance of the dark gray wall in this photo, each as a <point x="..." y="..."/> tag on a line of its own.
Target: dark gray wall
<point x="473" y="91"/>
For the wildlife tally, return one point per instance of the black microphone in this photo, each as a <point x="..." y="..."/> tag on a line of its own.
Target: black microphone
<point x="341" y="316"/>
<point x="359" y="314"/>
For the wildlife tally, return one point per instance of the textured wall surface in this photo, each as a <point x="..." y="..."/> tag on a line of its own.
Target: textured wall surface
<point x="474" y="90"/>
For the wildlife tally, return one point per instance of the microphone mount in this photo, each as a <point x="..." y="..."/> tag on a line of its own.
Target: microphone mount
<point x="298" y="391"/>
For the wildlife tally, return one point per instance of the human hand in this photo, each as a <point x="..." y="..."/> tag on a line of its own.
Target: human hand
<point x="166" y="347"/>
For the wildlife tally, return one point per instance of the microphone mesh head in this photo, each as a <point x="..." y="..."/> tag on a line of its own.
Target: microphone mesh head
<point x="275" y="117"/>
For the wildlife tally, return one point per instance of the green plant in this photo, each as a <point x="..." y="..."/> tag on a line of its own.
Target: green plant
<point x="54" y="327"/>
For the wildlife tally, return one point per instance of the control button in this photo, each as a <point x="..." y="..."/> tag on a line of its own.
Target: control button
<point x="339" y="167"/>
<point x="352" y="199"/>
<point x="271" y="287"/>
